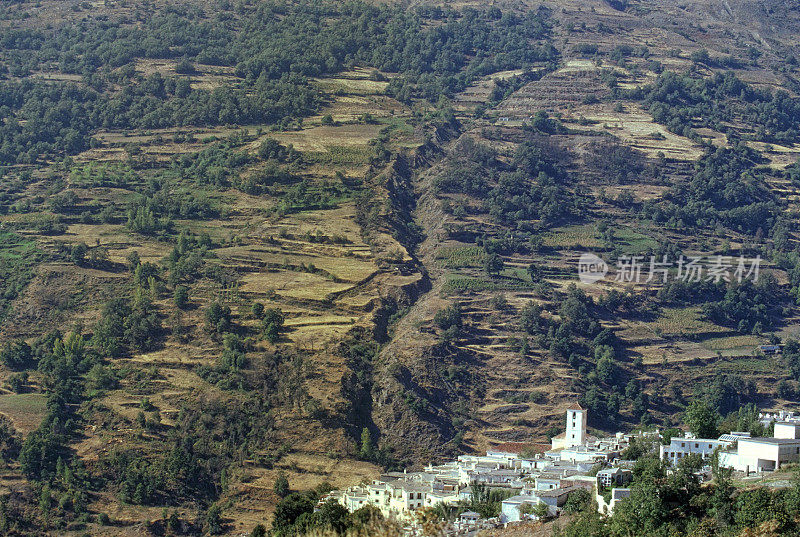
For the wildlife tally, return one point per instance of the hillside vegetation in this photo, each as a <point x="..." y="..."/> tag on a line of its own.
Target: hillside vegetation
<point x="262" y="242"/>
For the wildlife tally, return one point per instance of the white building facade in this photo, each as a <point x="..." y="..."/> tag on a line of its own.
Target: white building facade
<point x="787" y="430"/>
<point x="762" y="454"/>
<point x="679" y="448"/>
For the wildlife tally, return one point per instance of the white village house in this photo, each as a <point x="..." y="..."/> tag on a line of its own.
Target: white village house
<point x="680" y="447"/>
<point x="614" y="477"/>
<point x="765" y="454"/>
<point x="511" y="508"/>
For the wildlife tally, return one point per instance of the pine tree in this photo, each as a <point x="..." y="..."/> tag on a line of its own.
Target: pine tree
<point x="366" y="451"/>
<point x="282" y="485"/>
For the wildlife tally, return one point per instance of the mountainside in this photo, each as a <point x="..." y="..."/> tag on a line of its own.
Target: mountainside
<point x="243" y="241"/>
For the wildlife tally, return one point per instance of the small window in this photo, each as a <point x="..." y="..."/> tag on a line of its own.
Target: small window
<point x="696" y="446"/>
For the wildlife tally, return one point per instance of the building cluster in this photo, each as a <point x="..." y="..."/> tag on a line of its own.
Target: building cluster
<point x="740" y="451"/>
<point x="540" y="478"/>
<point x="780" y="416"/>
<point x="544" y="479"/>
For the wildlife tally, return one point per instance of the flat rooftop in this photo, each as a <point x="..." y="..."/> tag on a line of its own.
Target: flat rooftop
<point x="774" y="441"/>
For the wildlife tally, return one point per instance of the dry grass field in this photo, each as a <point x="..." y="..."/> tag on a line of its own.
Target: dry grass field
<point x="25" y="410"/>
